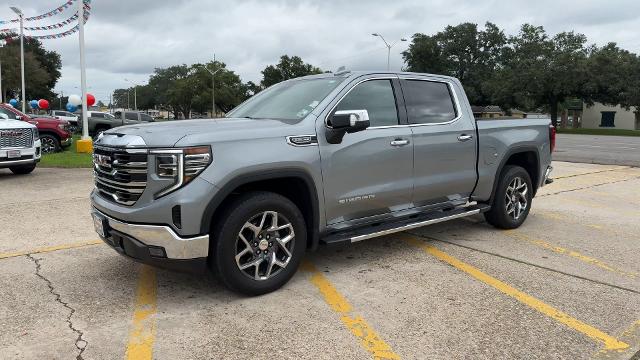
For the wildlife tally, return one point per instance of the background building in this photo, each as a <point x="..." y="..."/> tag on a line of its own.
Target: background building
<point x="605" y="116"/>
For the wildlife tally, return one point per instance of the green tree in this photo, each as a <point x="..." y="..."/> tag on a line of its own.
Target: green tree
<point x="462" y="51"/>
<point x="42" y="69"/>
<point x="287" y="68"/>
<point x="539" y="72"/>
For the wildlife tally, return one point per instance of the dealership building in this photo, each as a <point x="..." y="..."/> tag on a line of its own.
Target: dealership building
<point x="606" y="116"/>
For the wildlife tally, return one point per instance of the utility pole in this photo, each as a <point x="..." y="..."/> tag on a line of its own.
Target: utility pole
<point x="389" y="46"/>
<point x="135" y="94"/>
<point x="21" y="17"/>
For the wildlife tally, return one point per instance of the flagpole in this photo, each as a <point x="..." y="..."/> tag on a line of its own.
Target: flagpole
<point x="83" y="75"/>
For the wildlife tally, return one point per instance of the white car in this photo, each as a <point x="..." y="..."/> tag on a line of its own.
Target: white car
<point x="65" y="115"/>
<point x="20" y="148"/>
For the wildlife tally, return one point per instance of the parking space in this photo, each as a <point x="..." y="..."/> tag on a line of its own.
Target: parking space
<point x="564" y="285"/>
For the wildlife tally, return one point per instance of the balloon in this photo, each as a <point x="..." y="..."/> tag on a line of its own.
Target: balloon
<point x="75" y="100"/>
<point x="33" y="104"/>
<point x="13" y="102"/>
<point x="90" y="99"/>
<point x="71" y="108"/>
<point x="43" y="104"/>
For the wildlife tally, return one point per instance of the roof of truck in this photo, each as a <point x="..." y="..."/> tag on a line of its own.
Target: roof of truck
<point x="358" y="73"/>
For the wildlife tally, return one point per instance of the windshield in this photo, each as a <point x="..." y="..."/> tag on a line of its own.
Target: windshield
<point x="289" y="100"/>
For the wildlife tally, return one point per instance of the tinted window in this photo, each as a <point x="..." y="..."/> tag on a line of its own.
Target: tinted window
<point x="131" y="116"/>
<point x="97" y="115"/>
<point x="145" y="117"/>
<point x="9" y="114"/>
<point x="118" y="114"/>
<point x="375" y="96"/>
<point x="428" y="102"/>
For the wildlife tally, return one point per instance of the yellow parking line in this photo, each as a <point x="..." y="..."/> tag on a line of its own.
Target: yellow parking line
<point x="574" y="254"/>
<point x="610" y="343"/>
<point x="143" y="329"/>
<point x="50" y="249"/>
<point x="630" y="335"/>
<point x="369" y="339"/>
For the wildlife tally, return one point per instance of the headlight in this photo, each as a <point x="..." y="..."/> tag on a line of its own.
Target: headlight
<point x="180" y="165"/>
<point x="36" y="134"/>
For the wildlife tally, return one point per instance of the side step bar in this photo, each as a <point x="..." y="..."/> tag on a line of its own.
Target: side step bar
<point x="403" y="225"/>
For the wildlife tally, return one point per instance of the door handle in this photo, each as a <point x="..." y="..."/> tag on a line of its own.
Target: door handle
<point x="399" y="142"/>
<point x="465" y="137"/>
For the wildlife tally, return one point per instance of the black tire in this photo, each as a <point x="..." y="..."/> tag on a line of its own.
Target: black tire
<point x="98" y="131"/>
<point x="23" y="169"/>
<point x="50" y="143"/>
<point x="503" y="209"/>
<point x="226" y="234"/>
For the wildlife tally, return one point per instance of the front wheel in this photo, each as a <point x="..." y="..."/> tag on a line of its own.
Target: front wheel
<point x="512" y="200"/>
<point x="22" y="169"/>
<point x="259" y="244"/>
<point x="50" y="144"/>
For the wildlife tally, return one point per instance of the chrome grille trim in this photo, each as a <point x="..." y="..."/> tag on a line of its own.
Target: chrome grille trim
<point x="16" y="138"/>
<point x="120" y="175"/>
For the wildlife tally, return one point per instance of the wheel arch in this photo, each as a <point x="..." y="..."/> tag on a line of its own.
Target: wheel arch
<point x="295" y="184"/>
<point x="525" y="156"/>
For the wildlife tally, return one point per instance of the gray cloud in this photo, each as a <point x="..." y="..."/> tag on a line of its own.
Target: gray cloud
<point x="128" y="39"/>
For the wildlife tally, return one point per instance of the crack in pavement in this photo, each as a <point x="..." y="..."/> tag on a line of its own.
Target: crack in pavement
<point x="80" y="343"/>
<point x="589" y="187"/>
<point x="593" y="172"/>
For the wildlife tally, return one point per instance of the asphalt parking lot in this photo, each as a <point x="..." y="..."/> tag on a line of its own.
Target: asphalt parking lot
<point x="598" y="149"/>
<point x="564" y="285"/>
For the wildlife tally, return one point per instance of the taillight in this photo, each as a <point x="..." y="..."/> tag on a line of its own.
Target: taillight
<point x="552" y="137"/>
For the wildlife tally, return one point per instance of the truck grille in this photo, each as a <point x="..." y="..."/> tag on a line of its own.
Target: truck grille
<point x="18" y="138"/>
<point x="120" y="176"/>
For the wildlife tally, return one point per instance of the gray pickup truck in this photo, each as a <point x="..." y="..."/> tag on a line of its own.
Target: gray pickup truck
<point x="102" y="121"/>
<point x="324" y="159"/>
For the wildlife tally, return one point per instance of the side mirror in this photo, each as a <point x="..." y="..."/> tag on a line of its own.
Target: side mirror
<point x="346" y="121"/>
<point x="18" y="117"/>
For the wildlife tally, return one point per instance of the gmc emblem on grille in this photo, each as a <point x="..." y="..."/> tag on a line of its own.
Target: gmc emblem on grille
<point x="11" y="133"/>
<point x="102" y="160"/>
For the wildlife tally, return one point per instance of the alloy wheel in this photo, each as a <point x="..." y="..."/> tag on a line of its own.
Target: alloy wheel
<point x="516" y="198"/>
<point x="264" y="245"/>
<point x="48" y="144"/>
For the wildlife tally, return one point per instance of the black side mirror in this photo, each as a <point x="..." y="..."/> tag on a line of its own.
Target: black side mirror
<point x="346" y="121"/>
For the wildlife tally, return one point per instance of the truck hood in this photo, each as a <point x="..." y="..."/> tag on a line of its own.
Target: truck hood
<point x="14" y="124"/>
<point x="205" y="131"/>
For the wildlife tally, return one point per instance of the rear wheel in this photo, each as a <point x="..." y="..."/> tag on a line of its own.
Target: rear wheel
<point x="50" y="143"/>
<point x="23" y="169"/>
<point x="512" y="200"/>
<point x="259" y="244"/>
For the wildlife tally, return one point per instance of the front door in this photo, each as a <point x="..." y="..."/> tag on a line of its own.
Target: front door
<point x="369" y="172"/>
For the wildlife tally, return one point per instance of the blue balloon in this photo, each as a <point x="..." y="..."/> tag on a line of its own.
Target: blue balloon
<point x="33" y="104"/>
<point x="71" y="108"/>
<point x="13" y="102"/>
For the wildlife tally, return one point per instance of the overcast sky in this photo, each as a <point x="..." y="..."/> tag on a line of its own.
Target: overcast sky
<point x="128" y="39"/>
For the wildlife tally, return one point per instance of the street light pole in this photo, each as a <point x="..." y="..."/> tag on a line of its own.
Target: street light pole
<point x="21" y="17"/>
<point x="135" y="95"/>
<point x="213" y="85"/>
<point x="389" y="46"/>
<point x="83" y="73"/>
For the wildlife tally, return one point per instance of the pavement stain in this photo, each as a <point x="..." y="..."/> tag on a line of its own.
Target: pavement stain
<point x="80" y="343"/>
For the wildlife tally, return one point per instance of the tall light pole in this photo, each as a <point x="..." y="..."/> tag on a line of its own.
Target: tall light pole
<point x="21" y="17"/>
<point x="83" y="74"/>
<point x="2" y="44"/>
<point x="389" y="46"/>
<point x="213" y="86"/>
<point x="135" y="95"/>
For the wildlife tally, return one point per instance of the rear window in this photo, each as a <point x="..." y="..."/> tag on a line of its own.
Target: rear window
<point x="97" y="115"/>
<point x="131" y="116"/>
<point x="428" y="102"/>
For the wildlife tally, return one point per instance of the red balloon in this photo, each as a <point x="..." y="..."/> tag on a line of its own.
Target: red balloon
<point x="90" y="99"/>
<point x="43" y="104"/>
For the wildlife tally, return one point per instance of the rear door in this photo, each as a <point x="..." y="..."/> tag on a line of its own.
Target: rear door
<point x="369" y="172"/>
<point x="444" y="141"/>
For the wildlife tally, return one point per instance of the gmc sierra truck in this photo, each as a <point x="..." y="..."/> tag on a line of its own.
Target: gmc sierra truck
<point x="323" y="159"/>
<point x="20" y="148"/>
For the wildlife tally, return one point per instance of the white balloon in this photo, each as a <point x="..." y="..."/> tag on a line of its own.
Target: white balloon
<point x="75" y="100"/>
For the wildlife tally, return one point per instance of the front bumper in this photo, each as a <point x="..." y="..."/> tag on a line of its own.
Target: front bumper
<point x="153" y="244"/>
<point x="27" y="156"/>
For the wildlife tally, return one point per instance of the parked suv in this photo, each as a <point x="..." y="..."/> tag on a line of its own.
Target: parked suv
<point x="54" y="134"/>
<point x="324" y="159"/>
<point x="19" y="145"/>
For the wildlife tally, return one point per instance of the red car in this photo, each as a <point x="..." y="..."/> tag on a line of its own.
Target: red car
<point x="54" y="134"/>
